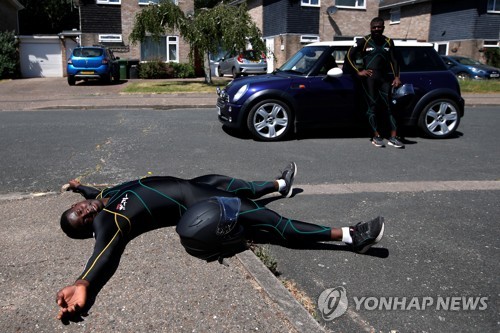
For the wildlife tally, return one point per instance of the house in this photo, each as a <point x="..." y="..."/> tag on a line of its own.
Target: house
<point x="457" y="27"/>
<point x="8" y="12"/>
<point x="106" y="22"/>
<point x="110" y="22"/>
<point x="287" y="25"/>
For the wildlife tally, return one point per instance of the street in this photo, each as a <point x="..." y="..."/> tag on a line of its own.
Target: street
<point x="439" y="198"/>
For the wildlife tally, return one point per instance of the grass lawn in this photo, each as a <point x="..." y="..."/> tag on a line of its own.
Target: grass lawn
<point x="173" y="86"/>
<point x="480" y="86"/>
<point x="170" y="86"/>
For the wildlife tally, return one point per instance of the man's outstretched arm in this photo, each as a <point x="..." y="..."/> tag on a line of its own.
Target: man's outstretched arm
<point x="87" y="192"/>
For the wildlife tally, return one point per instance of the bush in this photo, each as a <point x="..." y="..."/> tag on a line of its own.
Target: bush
<point x="9" y="60"/>
<point x="158" y="69"/>
<point x="492" y="57"/>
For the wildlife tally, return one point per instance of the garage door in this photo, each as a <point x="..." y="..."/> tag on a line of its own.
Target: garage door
<point x="40" y="56"/>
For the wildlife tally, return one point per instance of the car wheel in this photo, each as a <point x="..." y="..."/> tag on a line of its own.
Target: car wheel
<point x="270" y="120"/>
<point x="219" y="71"/>
<point x="439" y="119"/>
<point x="71" y="80"/>
<point x="235" y="73"/>
<point x="463" y="76"/>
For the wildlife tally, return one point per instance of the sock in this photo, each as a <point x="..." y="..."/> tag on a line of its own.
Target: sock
<point x="346" y="235"/>
<point x="281" y="184"/>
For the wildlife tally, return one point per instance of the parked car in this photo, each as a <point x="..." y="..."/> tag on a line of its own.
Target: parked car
<point x="466" y="68"/>
<point x="311" y="91"/>
<point x="92" y="62"/>
<point x="243" y="63"/>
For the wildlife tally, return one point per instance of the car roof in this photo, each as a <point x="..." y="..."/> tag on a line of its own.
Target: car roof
<point x="397" y="42"/>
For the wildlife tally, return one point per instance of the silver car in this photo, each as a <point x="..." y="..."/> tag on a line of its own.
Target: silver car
<point x="243" y="63"/>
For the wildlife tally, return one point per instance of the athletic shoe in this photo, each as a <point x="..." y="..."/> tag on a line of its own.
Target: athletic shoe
<point x="366" y="234"/>
<point x="378" y="141"/>
<point x="288" y="175"/>
<point x="395" y="142"/>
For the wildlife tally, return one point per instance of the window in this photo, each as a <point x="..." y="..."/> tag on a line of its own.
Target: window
<point x="154" y="2"/>
<point x="490" y="43"/>
<point x="309" y="39"/>
<point x="109" y="2"/>
<point x="422" y="59"/>
<point x="359" y="4"/>
<point x="110" y="38"/>
<point x="166" y="49"/>
<point x="311" y="3"/>
<point x="493" y="6"/>
<point x="395" y="15"/>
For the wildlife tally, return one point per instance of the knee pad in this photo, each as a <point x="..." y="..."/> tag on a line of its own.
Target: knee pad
<point x="209" y="229"/>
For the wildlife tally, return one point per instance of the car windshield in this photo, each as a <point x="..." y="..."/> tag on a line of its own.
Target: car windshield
<point x="468" y="61"/>
<point x="304" y="60"/>
<point x="88" y="52"/>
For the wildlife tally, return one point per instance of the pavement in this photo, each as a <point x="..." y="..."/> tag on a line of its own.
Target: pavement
<point x="55" y="93"/>
<point x="170" y="291"/>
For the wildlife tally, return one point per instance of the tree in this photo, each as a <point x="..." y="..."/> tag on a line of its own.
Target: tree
<point x="8" y="55"/>
<point x="48" y="16"/>
<point x="223" y="26"/>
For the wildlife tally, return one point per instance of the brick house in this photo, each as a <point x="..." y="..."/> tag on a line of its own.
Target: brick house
<point x="287" y="25"/>
<point x="110" y="22"/>
<point x="457" y="27"/>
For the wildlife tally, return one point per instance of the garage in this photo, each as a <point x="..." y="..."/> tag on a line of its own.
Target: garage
<point x="40" y="56"/>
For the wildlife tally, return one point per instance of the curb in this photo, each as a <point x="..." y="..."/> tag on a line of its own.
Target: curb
<point x="296" y="314"/>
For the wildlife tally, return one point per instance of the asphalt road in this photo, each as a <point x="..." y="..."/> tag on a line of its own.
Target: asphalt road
<point x="441" y="240"/>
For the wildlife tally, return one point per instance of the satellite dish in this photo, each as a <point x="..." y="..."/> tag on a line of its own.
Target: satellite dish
<point x="331" y="10"/>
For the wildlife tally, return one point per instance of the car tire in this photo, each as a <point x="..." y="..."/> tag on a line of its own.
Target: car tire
<point x="71" y="80"/>
<point x="439" y="119"/>
<point x="463" y="76"/>
<point x="219" y="71"/>
<point x="270" y="120"/>
<point x="235" y="73"/>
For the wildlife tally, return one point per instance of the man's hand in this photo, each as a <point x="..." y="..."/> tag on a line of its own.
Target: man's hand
<point x="72" y="300"/>
<point x="396" y="82"/>
<point x="365" y="73"/>
<point x="71" y="185"/>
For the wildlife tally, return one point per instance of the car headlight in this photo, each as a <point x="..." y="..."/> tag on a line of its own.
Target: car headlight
<point x="240" y="92"/>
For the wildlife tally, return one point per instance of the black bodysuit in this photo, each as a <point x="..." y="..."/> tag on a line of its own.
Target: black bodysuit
<point x="149" y="203"/>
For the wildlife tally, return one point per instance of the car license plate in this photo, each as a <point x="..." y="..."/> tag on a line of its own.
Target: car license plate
<point x="87" y="72"/>
<point x="495" y="75"/>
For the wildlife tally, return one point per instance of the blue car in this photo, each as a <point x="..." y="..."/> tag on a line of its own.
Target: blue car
<point x="466" y="68"/>
<point x="92" y="62"/>
<point x="311" y="91"/>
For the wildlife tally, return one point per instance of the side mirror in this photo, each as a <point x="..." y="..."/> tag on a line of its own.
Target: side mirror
<point x="335" y="72"/>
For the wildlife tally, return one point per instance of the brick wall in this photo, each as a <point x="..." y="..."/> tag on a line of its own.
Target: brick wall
<point x="346" y="22"/>
<point x="414" y="23"/>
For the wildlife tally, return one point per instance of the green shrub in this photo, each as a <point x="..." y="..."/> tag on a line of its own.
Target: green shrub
<point x="492" y="57"/>
<point x="9" y="60"/>
<point x="158" y="69"/>
<point x="183" y="71"/>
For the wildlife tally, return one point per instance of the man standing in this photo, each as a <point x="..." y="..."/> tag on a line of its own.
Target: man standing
<point x="377" y="54"/>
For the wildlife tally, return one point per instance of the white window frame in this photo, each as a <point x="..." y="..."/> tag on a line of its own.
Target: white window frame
<point x="307" y="3"/>
<point x="306" y="39"/>
<point x="490" y="43"/>
<point x="109" y="2"/>
<point x="355" y="6"/>
<point x="494" y="4"/>
<point x="110" y="38"/>
<point x="153" y="2"/>
<point x="169" y="41"/>
<point x="395" y="15"/>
